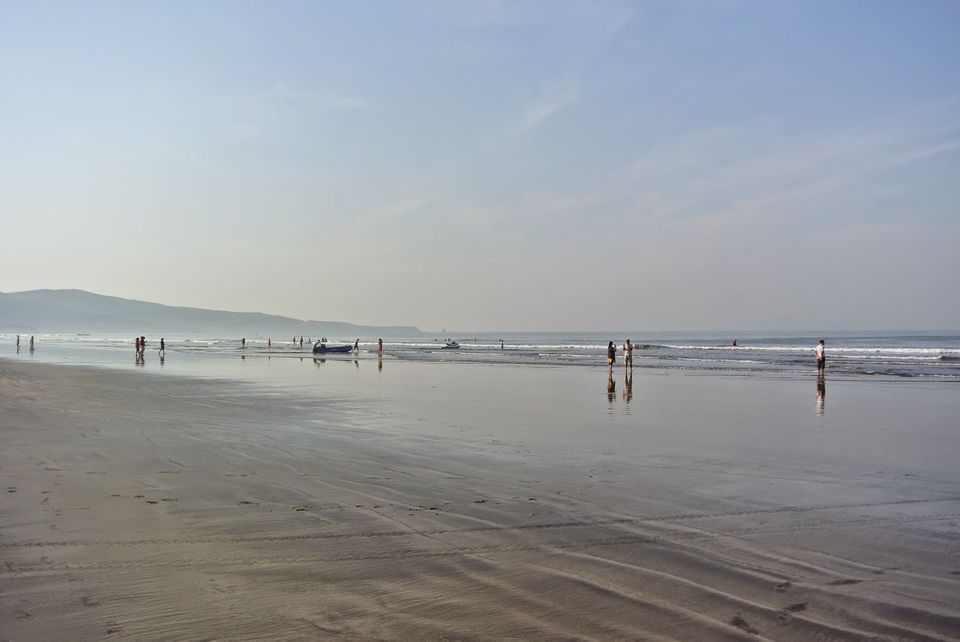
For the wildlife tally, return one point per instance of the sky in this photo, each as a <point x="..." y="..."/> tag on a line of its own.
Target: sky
<point x="487" y="165"/>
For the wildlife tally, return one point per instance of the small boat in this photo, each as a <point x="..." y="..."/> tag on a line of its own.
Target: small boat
<point x="323" y="348"/>
<point x="452" y="345"/>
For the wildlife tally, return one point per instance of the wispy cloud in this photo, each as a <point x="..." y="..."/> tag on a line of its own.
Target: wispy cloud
<point x="725" y="178"/>
<point x="398" y="210"/>
<point x="547" y="105"/>
<point x="729" y="177"/>
<point x="249" y="116"/>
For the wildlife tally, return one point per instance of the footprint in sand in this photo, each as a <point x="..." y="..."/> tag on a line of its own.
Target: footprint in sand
<point x="89" y="601"/>
<point x="787" y="614"/>
<point x="743" y="625"/>
<point x="782" y="587"/>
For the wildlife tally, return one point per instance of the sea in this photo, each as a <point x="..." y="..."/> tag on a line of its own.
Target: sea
<point x="904" y="355"/>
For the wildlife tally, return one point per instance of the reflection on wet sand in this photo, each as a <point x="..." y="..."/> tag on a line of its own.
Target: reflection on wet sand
<point x="821" y="392"/>
<point x="628" y="385"/>
<point x="611" y="388"/>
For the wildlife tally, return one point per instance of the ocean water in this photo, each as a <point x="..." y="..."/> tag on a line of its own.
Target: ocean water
<point x="894" y="355"/>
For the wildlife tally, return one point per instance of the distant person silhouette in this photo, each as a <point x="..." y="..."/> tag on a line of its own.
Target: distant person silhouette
<point x="611" y="354"/>
<point x="243" y="342"/>
<point x="821" y="354"/>
<point x="627" y="354"/>
<point x="163" y="349"/>
<point x="356" y="345"/>
<point x="31" y="343"/>
<point x="380" y="347"/>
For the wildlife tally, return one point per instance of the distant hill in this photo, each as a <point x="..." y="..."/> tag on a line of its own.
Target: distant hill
<point x="77" y="311"/>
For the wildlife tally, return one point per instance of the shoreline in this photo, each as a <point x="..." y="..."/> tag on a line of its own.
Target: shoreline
<point x="175" y="507"/>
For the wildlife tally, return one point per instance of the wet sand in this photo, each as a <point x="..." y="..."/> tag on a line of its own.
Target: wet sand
<point x="433" y="501"/>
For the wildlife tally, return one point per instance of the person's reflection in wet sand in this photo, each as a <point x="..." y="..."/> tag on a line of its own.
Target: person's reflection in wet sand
<point x="628" y="386"/>
<point x="611" y="388"/>
<point x="821" y="392"/>
<point x="379" y="365"/>
<point x="319" y="361"/>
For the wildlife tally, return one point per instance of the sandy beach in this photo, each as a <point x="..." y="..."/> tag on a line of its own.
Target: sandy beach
<point x="438" y="501"/>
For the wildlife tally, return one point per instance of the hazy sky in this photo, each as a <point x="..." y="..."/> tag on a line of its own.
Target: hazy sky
<point x="491" y="165"/>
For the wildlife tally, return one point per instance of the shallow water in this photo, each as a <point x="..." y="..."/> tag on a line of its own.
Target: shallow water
<point x="885" y="355"/>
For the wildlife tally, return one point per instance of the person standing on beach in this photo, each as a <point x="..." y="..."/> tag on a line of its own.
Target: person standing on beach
<point x="379" y="347"/>
<point x="31" y="343"/>
<point x="820" y="352"/>
<point x="301" y="342"/>
<point x="627" y="354"/>
<point x="143" y="346"/>
<point x="18" y="343"/>
<point x="611" y="354"/>
<point x="501" y="344"/>
<point x="163" y="350"/>
<point x="243" y="342"/>
<point x="269" y="345"/>
<point x="356" y="345"/>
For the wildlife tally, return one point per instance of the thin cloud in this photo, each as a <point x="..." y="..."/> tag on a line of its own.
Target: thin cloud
<point x="548" y="105"/>
<point x="728" y="177"/>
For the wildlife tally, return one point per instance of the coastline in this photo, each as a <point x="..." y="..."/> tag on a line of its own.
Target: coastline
<point x="165" y="507"/>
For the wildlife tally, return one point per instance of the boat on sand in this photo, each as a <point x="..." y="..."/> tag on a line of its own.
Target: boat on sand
<point x="323" y="348"/>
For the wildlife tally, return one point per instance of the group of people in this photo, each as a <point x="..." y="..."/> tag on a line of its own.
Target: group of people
<point x="295" y="341"/>
<point x="31" y="343"/>
<point x="140" y="346"/>
<point x="627" y="354"/>
<point x="819" y="353"/>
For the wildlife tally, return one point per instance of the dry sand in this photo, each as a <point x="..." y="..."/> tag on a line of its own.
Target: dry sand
<point x="145" y="507"/>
